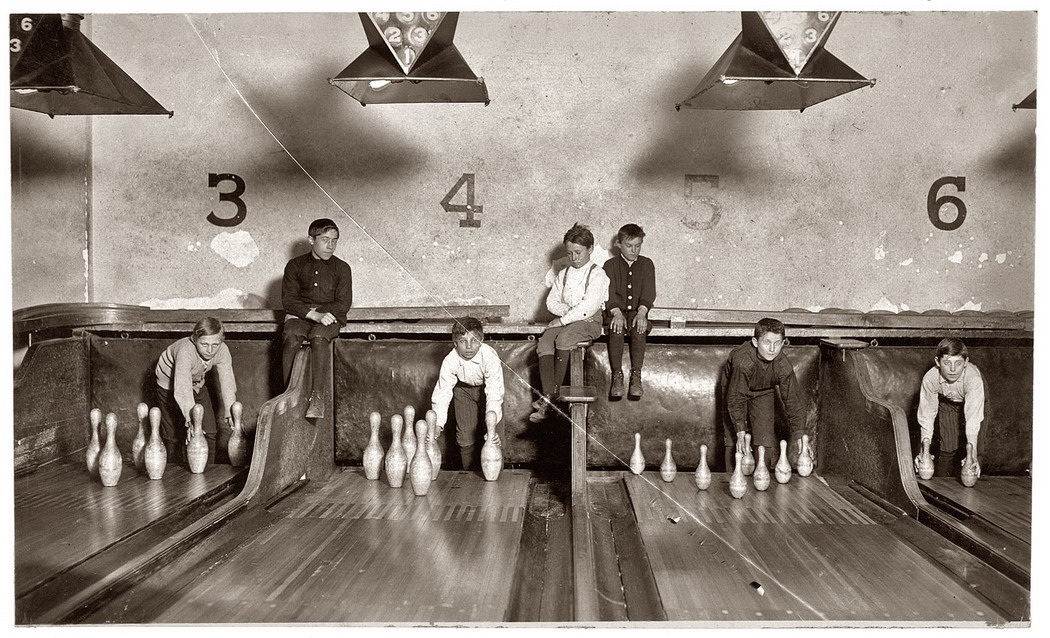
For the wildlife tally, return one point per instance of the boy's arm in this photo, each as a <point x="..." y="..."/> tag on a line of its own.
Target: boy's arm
<point x="595" y="295"/>
<point x="493" y="372"/>
<point x="791" y="394"/>
<point x="442" y="395"/>
<point x="973" y="406"/>
<point x="182" y="378"/>
<point x="736" y="395"/>
<point x="290" y="299"/>
<point x="928" y="406"/>
<point x="554" y="303"/>
<point x="616" y="299"/>
<point x="344" y="294"/>
<point x="648" y="288"/>
<point x="227" y="382"/>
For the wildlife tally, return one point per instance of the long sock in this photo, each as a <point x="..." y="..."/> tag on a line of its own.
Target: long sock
<point x="637" y="350"/>
<point x="616" y="352"/>
<point x="547" y="373"/>
<point x="561" y="365"/>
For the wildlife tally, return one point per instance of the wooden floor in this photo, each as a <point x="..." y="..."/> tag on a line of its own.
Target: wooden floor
<point x="798" y="554"/>
<point x="358" y="551"/>
<point x="1003" y="501"/>
<point x="63" y="516"/>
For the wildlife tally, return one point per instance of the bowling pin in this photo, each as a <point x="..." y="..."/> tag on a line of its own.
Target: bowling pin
<point x="433" y="449"/>
<point x="237" y="446"/>
<point x="783" y="469"/>
<point x="637" y="460"/>
<point x="971" y="471"/>
<point x="408" y="441"/>
<point x="109" y="460"/>
<point x="93" y="447"/>
<point x="197" y="446"/>
<point x="156" y="455"/>
<point x="396" y="459"/>
<point x="747" y="460"/>
<point x="737" y="482"/>
<point x="761" y="474"/>
<point x="138" y="446"/>
<point x="702" y="478"/>
<point x="804" y="465"/>
<point x="491" y="454"/>
<point x="372" y="457"/>
<point x="420" y="472"/>
<point x="924" y="461"/>
<point x="667" y="468"/>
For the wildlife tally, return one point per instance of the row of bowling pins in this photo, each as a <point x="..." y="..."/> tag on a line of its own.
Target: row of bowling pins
<point x="150" y="456"/>
<point x="745" y="465"/>
<point x="417" y="453"/>
<point x="971" y="471"/>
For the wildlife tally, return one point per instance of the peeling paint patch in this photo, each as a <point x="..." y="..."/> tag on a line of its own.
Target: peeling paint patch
<point x="814" y="308"/>
<point x="227" y="298"/>
<point x="956" y="258"/>
<point x="880" y="252"/>
<point x="904" y="306"/>
<point x="907" y="262"/>
<point x="1000" y="258"/>
<point x="238" y="247"/>
<point x="969" y="305"/>
<point x="983" y="257"/>
<point x="885" y="304"/>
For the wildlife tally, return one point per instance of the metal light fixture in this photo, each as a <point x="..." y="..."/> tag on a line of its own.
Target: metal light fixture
<point x="778" y="62"/>
<point x="58" y="71"/>
<point x="410" y="59"/>
<point x="1027" y="103"/>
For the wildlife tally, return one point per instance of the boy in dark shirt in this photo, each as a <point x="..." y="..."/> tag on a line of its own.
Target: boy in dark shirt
<point x="754" y="370"/>
<point x="632" y="291"/>
<point x="316" y="292"/>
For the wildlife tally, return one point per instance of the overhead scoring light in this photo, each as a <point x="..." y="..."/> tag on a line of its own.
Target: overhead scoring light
<point x="777" y="62"/>
<point x="413" y="46"/>
<point x="56" y="70"/>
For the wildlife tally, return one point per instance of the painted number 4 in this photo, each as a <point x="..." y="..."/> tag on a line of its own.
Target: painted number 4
<point x="470" y="209"/>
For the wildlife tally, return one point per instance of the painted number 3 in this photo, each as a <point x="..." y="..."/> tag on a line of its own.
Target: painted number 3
<point x="935" y="204"/>
<point x="470" y="208"/>
<point x="234" y="196"/>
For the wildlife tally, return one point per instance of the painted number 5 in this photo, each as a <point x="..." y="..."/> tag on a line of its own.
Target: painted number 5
<point x="234" y="196"/>
<point x="934" y="204"/>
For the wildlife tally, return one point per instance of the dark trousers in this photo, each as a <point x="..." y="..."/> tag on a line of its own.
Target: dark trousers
<point x="950" y="430"/>
<point x="468" y="403"/>
<point x="616" y="342"/>
<point x="761" y="410"/>
<point x="296" y="331"/>
<point x="173" y="425"/>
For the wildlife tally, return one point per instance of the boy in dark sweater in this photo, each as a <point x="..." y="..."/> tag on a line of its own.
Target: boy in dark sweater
<point x="632" y="291"/>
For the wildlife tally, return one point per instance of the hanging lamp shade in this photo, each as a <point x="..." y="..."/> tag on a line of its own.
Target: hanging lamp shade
<point x="58" y="71"/>
<point x="1027" y="103"/>
<point x="410" y="59"/>
<point x="777" y="62"/>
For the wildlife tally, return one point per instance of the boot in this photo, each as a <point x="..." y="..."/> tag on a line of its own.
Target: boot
<point x="541" y="412"/>
<point x="635" y="389"/>
<point x="616" y="387"/>
<point x="316" y="409"/>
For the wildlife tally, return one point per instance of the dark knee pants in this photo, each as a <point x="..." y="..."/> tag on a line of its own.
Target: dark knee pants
<point x="761" y="412"/>
<point x="950" y="438"/>
<point x="468" y="403"/>
<point x="297" y="330"/>
<point x="173" y="426"/>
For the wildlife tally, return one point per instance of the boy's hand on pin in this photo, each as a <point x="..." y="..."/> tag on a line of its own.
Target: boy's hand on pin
<point x="495" y="439"/>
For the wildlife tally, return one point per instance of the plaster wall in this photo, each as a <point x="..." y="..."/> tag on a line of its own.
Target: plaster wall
<point x="825" y="208"/>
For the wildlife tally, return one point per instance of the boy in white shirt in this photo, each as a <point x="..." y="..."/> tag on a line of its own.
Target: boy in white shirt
<point x="577" y="298"/>
<point x="471" y="370"/>
<point x="951" y="398"/>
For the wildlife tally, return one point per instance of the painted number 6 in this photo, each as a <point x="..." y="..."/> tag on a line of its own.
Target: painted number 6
<point x="934" y="204"/>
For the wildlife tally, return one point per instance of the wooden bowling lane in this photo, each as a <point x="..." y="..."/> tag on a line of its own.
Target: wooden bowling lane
<point x="353" y="550"/>
<point x="63" y="516"/>
<point x="1003" y="501"/>
<point x="798" y="554"/>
